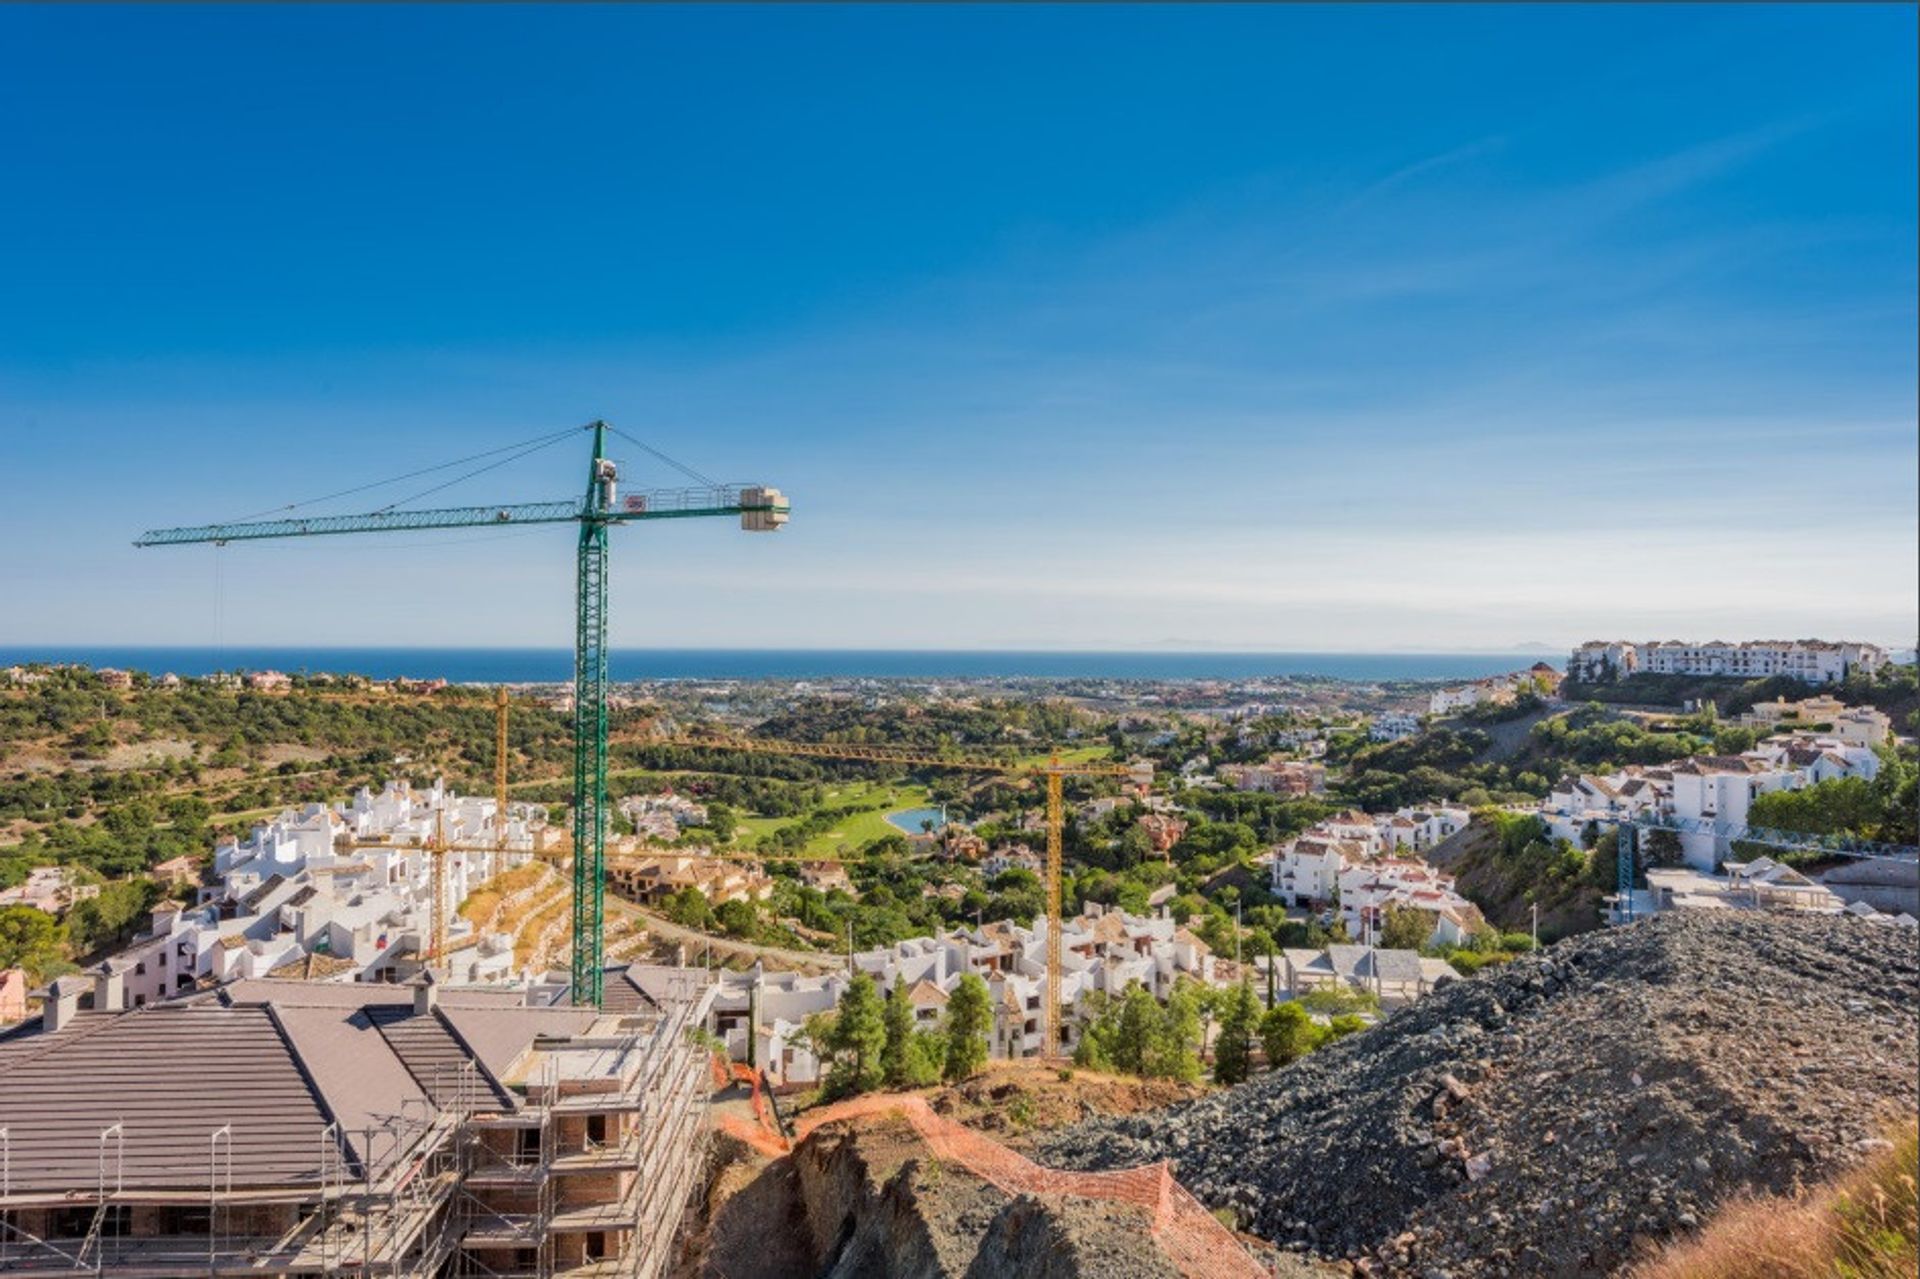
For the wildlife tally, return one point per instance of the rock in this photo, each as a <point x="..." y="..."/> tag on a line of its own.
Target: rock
<point x="1396" y="1132"/>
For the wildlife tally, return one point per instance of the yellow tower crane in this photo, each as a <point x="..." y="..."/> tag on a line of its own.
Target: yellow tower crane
<point x="1139" y="774"/>
<point x="437" y="847"/>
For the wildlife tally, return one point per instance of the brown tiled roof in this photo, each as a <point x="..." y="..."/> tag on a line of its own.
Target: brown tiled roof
<point x="277" y="1060"/>
<point x="169" y="1076"/>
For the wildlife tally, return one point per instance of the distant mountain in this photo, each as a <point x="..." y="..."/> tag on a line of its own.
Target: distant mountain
<point x="1535" y="646"/>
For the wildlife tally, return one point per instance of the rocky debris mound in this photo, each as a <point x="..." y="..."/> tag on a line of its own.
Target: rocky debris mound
<point x="1561" y="1115"/>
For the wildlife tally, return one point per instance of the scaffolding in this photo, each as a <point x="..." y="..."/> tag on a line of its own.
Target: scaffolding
<point x="457" y="1184"/>
<point x="389" y="1219"/>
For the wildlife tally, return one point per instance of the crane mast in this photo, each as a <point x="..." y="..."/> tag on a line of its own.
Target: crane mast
<point x="761" y="509"/>
<point x="590" y="728"/>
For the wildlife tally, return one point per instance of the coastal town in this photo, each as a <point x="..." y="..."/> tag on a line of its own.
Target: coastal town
<point x="916" y="641"/>
<point x="380" y="887"/>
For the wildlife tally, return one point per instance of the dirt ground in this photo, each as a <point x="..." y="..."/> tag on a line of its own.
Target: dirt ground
<point x="1014" y="1101"/>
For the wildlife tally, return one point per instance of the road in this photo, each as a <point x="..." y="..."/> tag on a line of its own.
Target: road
<point x="697" y="942"/>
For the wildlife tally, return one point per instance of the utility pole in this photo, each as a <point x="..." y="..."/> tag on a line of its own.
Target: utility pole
<point x="1536" y="925"/>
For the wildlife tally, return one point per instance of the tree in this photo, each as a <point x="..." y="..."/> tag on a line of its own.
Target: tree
<point x="1233" y="1050"/>
<point x="1405" y="927"/>
<point x="858" y="1039"/>
<point x="969" y="1020"/>
<point x="1095" y="1049"/>
<point x="688" y="907"/>
<point x="898" y="1019"/>
<point x="1345" y="1024"/>
<point x="1662" y="848"/>
<point x="1174" y="1050"/>
<point x="738" y="917"/>
<point x="29" y="939"/>
<point x="1334" y="1000"/>
<point x="1138" y="1022"/>
<point x="115" y="914"/>
<point x="1288" y="1033"/>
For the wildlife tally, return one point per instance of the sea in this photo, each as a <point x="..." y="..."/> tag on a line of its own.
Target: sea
<point x="555" y="665"/>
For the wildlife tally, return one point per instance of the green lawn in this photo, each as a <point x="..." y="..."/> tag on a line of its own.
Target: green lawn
<point x="875" y="801"/>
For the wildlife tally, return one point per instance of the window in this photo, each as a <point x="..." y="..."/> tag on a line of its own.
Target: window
<point x="527" y="1145"/>
<point x="597" y="1129"/>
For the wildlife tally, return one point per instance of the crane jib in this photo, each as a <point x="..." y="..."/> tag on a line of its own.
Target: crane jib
<point x="666" y="505"/>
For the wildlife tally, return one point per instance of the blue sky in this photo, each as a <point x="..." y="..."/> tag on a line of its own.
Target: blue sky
<point x="1289" y="328"/>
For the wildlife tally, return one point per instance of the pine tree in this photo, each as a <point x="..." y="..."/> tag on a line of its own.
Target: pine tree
<point x="898" y="1020"/>
<point x="969" y="1020"/>
<point x="1175" y="1050"/>
<point x="1233" y="1050"/>
<point x="1140" y="1023"/>
<point x="858" y="1039"/>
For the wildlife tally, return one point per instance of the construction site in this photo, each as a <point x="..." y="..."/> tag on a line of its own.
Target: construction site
<point x="289" y="1127"/>
<point x="299" y="1128"/>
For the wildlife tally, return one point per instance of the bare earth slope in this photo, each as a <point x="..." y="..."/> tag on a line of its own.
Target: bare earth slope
<point x="1560" y="1115"/>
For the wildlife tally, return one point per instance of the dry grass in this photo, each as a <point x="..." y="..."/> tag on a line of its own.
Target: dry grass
<point x="526" y="943"/>
<point x="1863" y="1226"/>
<point x="485" y="901"/>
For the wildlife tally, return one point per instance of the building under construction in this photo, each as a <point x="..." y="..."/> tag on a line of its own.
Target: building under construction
<point x="292" y="1128"/>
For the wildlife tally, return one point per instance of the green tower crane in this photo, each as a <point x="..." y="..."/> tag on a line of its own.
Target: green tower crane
<point x="761" y="510"/>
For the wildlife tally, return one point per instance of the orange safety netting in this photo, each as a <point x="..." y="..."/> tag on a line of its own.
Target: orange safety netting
<point x="1193" y="1238"/>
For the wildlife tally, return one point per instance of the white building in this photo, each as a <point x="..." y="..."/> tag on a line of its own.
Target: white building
<point x="1716" y="790"/>
<point x="1349" y="858"/>
<point x="1810" y="661"/>
<point x="1393" y="726"/>
<point x="1598" y="661"/>
<point x="1103" y="950"/>
<point x="342" y="893"/>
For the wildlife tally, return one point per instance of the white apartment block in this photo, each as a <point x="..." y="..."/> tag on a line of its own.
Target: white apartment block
<point x="1351" y="858"/>
<point x="1394" y="726"/>
<point x="1713" y="789"/>
<point x="1810" y="661"/>
<point x="342" y="893"/>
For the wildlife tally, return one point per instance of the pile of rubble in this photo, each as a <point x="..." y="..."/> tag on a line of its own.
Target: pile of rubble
<point x="1563" y="1115"/>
